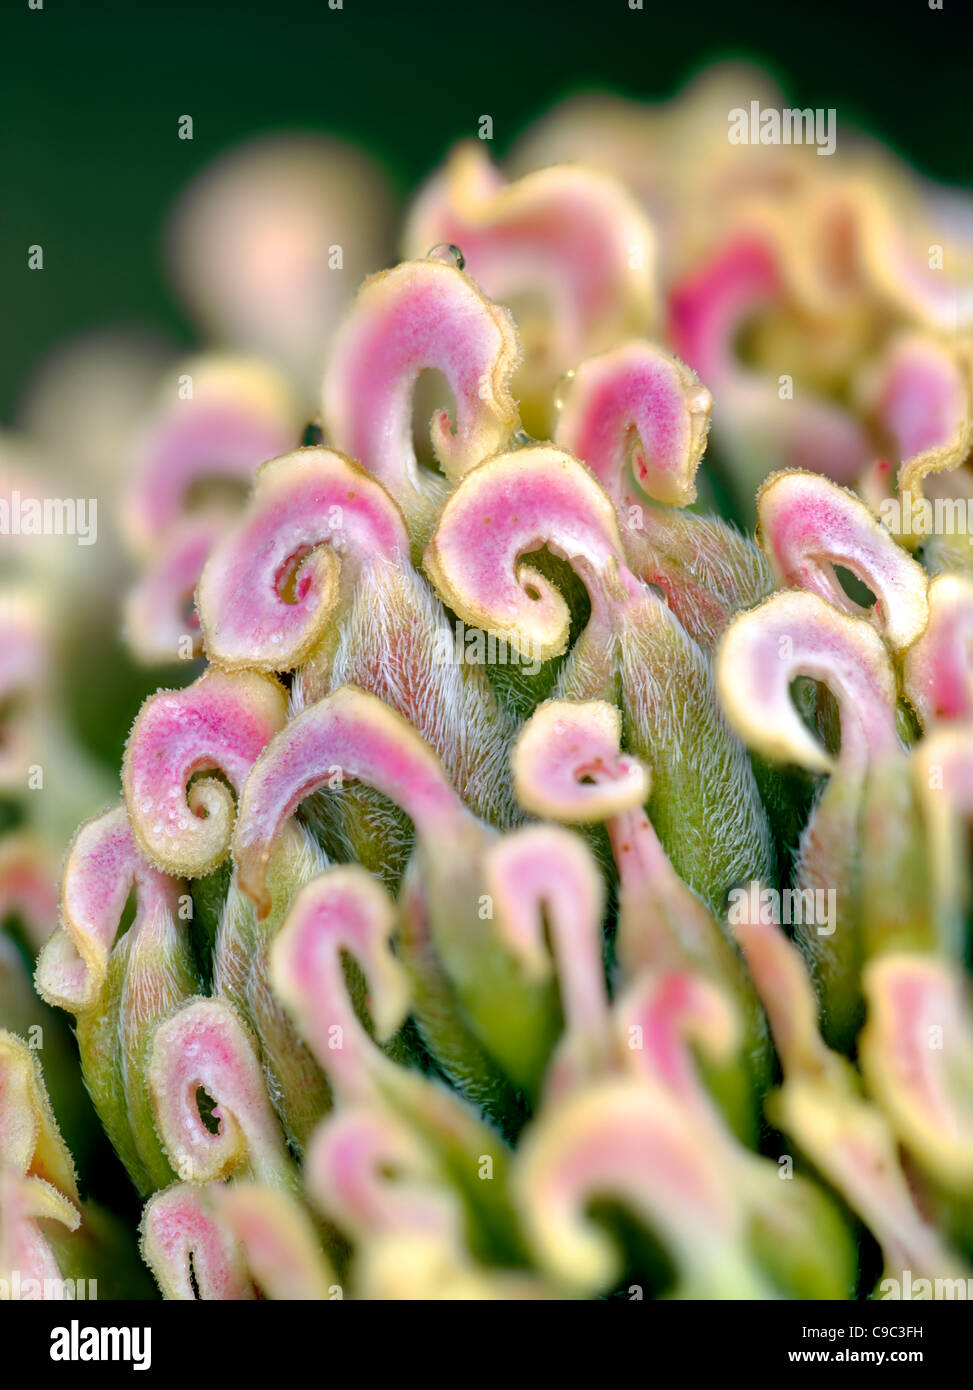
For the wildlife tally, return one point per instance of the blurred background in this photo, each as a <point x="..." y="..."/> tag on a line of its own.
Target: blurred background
<point x="91" y="95"/>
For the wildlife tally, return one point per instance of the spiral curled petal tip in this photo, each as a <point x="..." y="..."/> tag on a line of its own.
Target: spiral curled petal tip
<point x="797" y="633"/>
<point x="370" y="1173"/>
<point x="203" y="1047"/>
<point x="568" y="765"/>
<point x="343" y="910"/>
<point x="192" y="1253"/>
<point x="102" y="866"/>
<point x="510" y="505"/>
<point x="282" y="1251"/>
<point x="219" y="723"/>
<point x="573" y="234"/>
<point x="421" y="315"/>
<point x="219" y="418"/>
<point x="637" y="405"/>
<point x="938" y="668"/>
<point x="808" y="525"/>
<point x="357" y="736"/>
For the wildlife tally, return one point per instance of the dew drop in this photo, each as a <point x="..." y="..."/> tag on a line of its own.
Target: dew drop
<point x="446" y="251"/>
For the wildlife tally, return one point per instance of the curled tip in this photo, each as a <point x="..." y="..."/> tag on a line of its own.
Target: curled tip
<point x="631" y="1142"/>
<point x="510" y="505"/>
<point x="278" y="1241"/>
<point x="191" y="1252"/>
<point x="938" y="668"/>
<point x="367" y="1171"/>
<point x="349" y="734"/>
<point x="637" y="405"/>
<point x="272" y="583"/>
<point x="160" y="622"/>
<point x="808" y="525"/>
<point x="219" y="723"/>
<point x="236" y="414"/>
<point x="916" y="1053"/>
<point x="568" y="765"/>
<point x="548" y="900"/>
<point x="422" y="314"/>
<point x="25" y="1250"/>
<point x="102" y="866"/>
<point x="30" y="1140"/>
<point x="664" y="1017"/>
<point x="203" y="1050"/>
<point x="798" y="634"/>
<point x="342" y="910"/>
<point x="708" y="308"/>
<point x="570" y="234"/>
<point x="920" y="397"/>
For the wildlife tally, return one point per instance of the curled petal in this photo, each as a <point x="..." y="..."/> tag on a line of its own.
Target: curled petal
<point x="368" y="1172"/>
<point x="278" y="1241"/>
<point x="238" y="414"/>
<point x="512" y="504"/>
<point x="847" y="1139"/>
<point x="351" y="734"/>
<point x="637" y="406"/>
<point x="919" y="394"/>
<point x="271" y="585"/>
<point x="938" y="668"/>
<point x="631" y="1142"/>
<point x="798" y="634"/>
<point x="221" y="722"/>
<point x="663" y="1018"/>
<point x="568" y="765"/>
<point x="548" y="900"/>
<point x="102" y="867"/>
<point x="421" y="315"/>
<point x="189" y="1250"/>
<point x="30" y="1141"/>
<point x="26" y="1251"/>
<point x="203" y="1047"/>
<point x="158" y="618"/>
<point x="708" y="308"/>
<point x="343" y="910"/>
<point x="808" y="525"/>
<point x="916" y="1053"/>
<point x="570" y="235"/>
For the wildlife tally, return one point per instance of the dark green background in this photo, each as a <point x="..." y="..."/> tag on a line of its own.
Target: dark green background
<point x="90" y="95"/>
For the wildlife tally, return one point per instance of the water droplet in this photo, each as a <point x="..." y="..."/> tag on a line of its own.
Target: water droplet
<point x="313" y="434"/>
<point x="522" y="438"/>
<point x="446" y="251"/>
